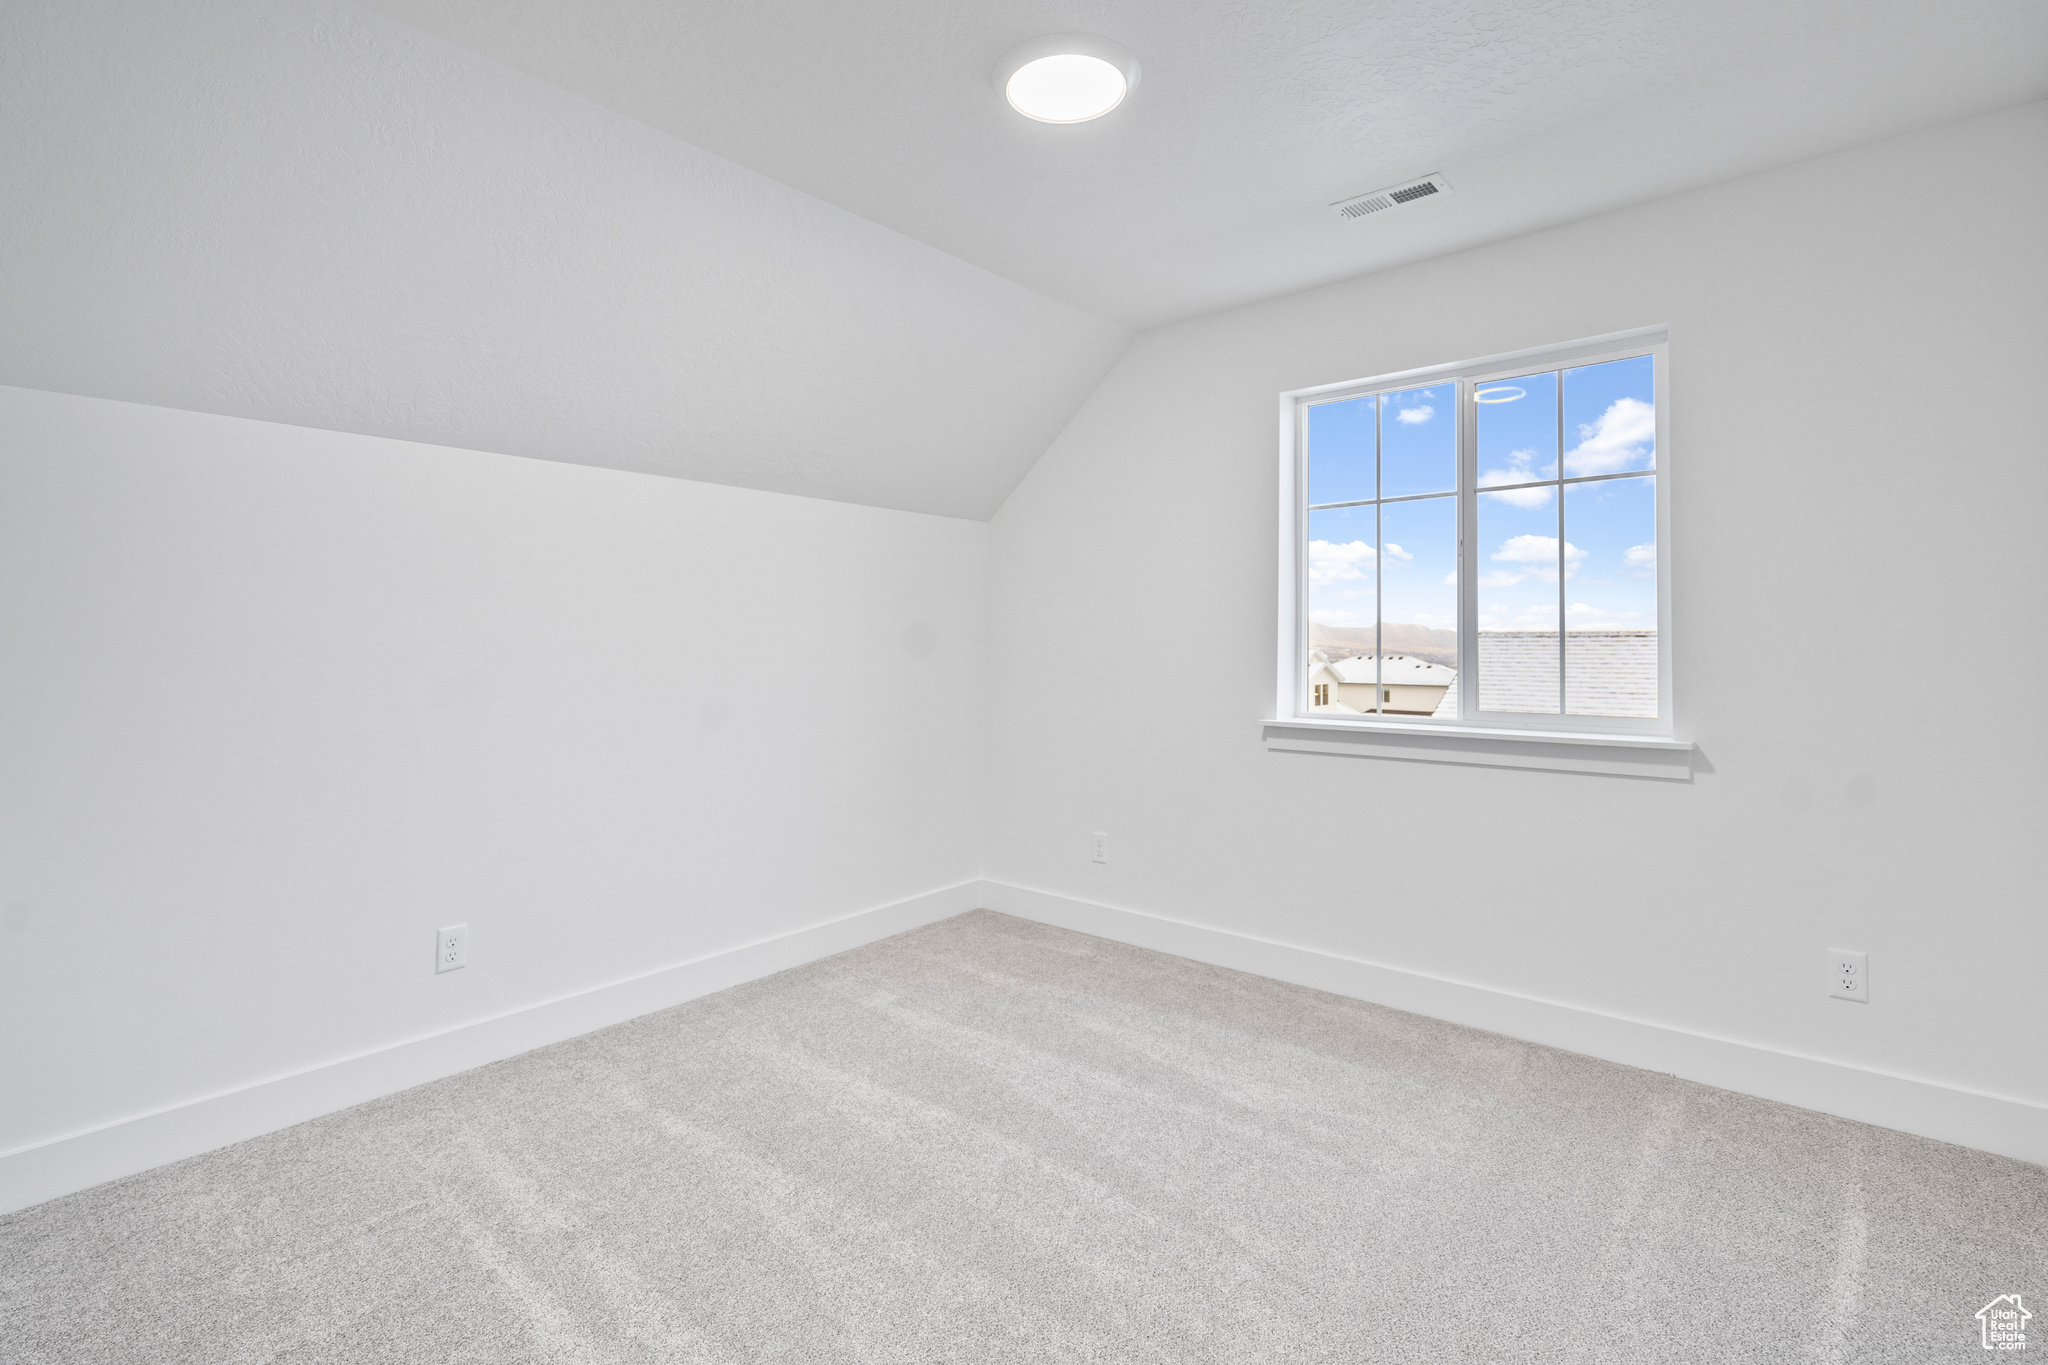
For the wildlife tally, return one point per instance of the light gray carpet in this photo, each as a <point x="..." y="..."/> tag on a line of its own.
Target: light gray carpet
<point x="993" y="1141"/>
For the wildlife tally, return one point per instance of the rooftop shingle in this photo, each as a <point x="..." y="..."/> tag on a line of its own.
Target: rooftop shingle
<point x="1608" y="673"/>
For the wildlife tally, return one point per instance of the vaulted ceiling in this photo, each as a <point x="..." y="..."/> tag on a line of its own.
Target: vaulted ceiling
<point x="804" y="246"/>
<point x="312" y="214"/>
<point x="1210" y="187"/>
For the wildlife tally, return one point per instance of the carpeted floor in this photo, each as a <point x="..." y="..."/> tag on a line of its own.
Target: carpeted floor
<point x="993" y="1141"/>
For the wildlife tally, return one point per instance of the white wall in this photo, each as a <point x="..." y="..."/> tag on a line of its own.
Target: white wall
<point x="305" y="212"/>
<point x="1857" y="352"/>
<point x="275" y="703"/>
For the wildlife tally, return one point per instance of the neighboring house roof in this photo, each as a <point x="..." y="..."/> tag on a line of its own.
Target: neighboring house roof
<point x="1609" y="672"/>
<point x="1396" y="670"/>
<point x="1319" y="669"/>
<point x="1518" y="670"/>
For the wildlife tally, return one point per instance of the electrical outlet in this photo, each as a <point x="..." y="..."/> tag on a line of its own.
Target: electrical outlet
<point x="451" y="948"/>
<point x="1098" y="847"/>
<point x="1849" y="975"/>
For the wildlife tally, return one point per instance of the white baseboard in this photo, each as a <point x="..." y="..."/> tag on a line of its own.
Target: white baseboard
<point x="1991" y="1123"/>
<point x="78" y="1161"/>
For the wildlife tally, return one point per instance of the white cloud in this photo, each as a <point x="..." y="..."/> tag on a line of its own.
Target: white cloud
<point x="1324" y="617"/>
<point x="1537" y="550"/>
<point x="1397" y="552"/>
<point x="1622" y="439"/>
<point x="1451" y="579"/>
<point x="1415" y="416"/>
<point x="1583" y="616"/>
<point x="1540" y="616"/>
<point x="1328" y="563"/>
<point x="1521" y="468"/>
<point x="1641" y="559"/>
<point x="1517" y="497"/>
<point x="1527" y="550"/>
<point x="1539" y="553"/>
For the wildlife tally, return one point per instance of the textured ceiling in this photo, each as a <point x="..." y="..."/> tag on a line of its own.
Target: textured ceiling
<point x="1208" y="188"/>
<point x="313" y="214"/>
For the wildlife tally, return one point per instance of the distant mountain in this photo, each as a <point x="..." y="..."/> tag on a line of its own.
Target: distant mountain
<point x="1417" y="642"/>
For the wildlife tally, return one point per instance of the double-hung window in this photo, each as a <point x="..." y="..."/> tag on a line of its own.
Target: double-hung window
<point x="1482" y="545"/>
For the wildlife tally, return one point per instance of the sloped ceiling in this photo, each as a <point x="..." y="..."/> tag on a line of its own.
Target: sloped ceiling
<point x="313" y="214"/>
<point x="1210" y="186"/>
<point x="802" y="245"/>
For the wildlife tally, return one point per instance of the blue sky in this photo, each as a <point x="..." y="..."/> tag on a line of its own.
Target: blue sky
<point x="1609" y="552"/>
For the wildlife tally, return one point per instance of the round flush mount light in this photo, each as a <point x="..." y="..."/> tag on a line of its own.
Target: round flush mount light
<point x="1502" y="394"/>
<point x="1066" y="77"/>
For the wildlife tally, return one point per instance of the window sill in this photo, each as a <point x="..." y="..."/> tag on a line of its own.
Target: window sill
<point x="1652" y="756"/>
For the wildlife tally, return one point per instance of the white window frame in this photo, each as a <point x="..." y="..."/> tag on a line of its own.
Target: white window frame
<point x="1291" y="708"/>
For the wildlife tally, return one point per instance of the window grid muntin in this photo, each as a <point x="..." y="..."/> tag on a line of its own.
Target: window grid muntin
<point x="1534" y="483"/>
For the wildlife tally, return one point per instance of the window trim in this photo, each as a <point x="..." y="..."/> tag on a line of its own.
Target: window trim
<point x="1290" y="707"/>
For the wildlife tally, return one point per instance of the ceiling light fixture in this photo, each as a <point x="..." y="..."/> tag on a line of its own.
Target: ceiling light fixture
<point x="1066" y="77"/>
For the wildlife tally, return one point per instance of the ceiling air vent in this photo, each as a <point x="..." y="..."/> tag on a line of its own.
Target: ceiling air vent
<point x="1379" y="201"/>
